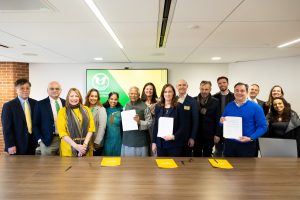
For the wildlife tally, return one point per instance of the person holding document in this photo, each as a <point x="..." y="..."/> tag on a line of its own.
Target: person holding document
<point x="169" y="114"/>
<point x="135" y="141"/>
<point x="253" y="123"/>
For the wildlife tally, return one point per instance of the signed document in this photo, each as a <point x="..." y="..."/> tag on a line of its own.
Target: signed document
<point x="233" y="127"/>
<point x="128" y="122"/>
<point x="165" y="126"/>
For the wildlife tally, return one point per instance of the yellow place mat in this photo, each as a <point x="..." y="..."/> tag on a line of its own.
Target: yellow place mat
<point x="220" y="163"/>
<point x="166" y="163"/>
<point x="111" y="161"/>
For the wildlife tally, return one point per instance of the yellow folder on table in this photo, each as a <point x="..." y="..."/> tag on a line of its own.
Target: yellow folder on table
<point x="111" y="161"/>
<point x="220" y="163"/>
<point x="166" y="163"/>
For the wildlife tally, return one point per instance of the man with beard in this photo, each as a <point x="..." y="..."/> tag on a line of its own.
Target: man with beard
<point x="209" y="110"/>
<point x="224" y="97"/>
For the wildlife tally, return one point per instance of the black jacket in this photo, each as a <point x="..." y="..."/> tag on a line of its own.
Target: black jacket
<point x="208" y="122"/>
<point x="292" y="131"/>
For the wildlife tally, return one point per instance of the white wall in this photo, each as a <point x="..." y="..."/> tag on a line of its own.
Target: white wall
<point x="266" y="73"/>
<point x="73" y="75"/>
<point x="284" y="72"/>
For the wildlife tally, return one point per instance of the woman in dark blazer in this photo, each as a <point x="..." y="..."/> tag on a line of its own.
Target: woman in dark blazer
<point x="283" y="122"/>
<point x="170" y="145"/>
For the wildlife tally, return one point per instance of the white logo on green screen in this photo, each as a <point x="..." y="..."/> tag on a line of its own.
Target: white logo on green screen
<point x="100" y="81"/>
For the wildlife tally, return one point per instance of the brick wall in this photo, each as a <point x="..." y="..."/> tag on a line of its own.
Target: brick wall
<point x="9" y="73"/>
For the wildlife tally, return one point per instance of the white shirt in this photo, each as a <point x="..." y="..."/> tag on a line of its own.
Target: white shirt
<point x="239" y="105"/>
<point x="254" y="100"/>
<point x="53" y="106"/>
<point x="181" y="99"/>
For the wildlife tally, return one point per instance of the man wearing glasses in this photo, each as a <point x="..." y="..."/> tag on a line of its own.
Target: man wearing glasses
<point x="44" y="120"/>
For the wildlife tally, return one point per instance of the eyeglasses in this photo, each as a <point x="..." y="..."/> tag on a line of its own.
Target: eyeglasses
<point x="54" y="89"/>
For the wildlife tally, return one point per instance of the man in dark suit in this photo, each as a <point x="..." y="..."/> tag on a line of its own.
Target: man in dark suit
<point x="17" y="121"/>
<point x="209" y="117"/>
<point x="224" y="97"/>
<point x="44" y="120"/>
<point x="253" y="92"/>
<point x="191" y="116"/>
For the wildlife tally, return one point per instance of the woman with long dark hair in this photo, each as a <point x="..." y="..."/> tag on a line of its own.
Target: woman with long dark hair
<point x="170" y="145"/>
<point x="276" y="91"/>
<point x="92" y="100"/>
<point x="149" y="97"/>
<point x="113" y="135"/>
<point x="283" y="122"/>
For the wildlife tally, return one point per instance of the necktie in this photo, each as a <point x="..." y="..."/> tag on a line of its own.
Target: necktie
<point x="28" y="117"/>
<point x="57" y="106"/>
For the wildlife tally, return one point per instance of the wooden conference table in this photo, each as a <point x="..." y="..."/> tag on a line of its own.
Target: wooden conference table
<point x="36" y="177"/>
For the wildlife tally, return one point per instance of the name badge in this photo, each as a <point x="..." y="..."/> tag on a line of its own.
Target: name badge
<point x="187" y="107"/>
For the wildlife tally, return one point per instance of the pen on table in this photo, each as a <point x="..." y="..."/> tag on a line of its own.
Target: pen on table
<point x="216" y="161"/>
<point x="68" y="168"/>
<point x="182" y="162"/>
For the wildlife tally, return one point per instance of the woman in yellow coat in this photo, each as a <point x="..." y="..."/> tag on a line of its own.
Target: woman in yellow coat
<point x="75" y="126"/>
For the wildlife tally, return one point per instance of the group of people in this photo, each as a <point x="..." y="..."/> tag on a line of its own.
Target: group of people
<point x="84" y="127"/>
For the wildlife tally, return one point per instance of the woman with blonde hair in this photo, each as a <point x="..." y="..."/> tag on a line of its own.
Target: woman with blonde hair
<point x="75" y="126"/>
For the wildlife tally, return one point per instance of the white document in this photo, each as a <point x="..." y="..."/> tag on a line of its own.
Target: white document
<point x="128" y="122"/>
<point x="165" y="126"/>
<point x="233" y="127"/>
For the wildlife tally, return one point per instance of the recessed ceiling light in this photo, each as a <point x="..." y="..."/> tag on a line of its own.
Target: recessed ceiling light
<point x="157" y="54"/>
<point x="289" y="43"/>
<point x="216" y="58"/>
<point x="193" y="27"/>
<point x="98" y="59"/>
<point x="29" y="54"/>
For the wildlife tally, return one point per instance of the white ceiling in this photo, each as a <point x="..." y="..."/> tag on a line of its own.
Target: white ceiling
<point x="65" y="31"/>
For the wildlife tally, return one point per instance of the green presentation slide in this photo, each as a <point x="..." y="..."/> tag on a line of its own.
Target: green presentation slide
<point x="120" y="80"/>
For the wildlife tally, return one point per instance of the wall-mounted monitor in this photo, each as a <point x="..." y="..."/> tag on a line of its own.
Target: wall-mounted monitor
<point x="120" y="80"/>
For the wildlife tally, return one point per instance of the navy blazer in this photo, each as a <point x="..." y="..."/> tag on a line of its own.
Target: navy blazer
<point x="191" y="116"/>
<point x="14" y="125"/>
<point x="178" y="127"/>
<point x="43" y="121"/>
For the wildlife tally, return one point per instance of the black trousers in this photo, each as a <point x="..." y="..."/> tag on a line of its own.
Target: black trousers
<point x="234" y="148"/>
<point x="98" y="152"/>
<point x="169" y="152"/>
<point x="32" y="144"/>
<point x="203" y="147"/>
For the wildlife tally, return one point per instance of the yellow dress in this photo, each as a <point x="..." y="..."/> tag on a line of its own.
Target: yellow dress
<point x="65" y="148"/>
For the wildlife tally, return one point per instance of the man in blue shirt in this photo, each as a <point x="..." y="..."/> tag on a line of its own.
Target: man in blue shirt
<point x="254" y="123"/>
